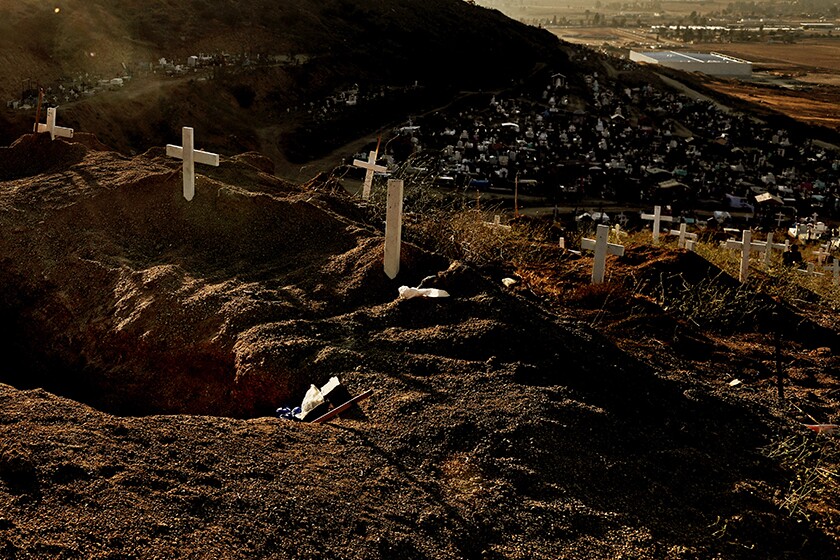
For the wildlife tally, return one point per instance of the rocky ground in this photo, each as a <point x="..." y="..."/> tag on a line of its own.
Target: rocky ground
<point x="148" y="341"/>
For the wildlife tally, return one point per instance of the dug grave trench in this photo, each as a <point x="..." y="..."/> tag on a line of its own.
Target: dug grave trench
<point x="121" y="294"/>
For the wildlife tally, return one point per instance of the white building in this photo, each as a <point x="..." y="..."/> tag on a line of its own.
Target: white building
<point x="714" y="64"/>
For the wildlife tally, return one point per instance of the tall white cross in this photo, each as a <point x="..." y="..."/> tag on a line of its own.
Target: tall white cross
<point x="601" y="246"/>
<point x="190" y="156"/>
<point x="834" y="269"/>
<point x="52" y="128"/>
<point x="682" y="243"/>
<point x="657" y="218"/>
<point x="371" y="167"/>
<point x="393" y="227"/>
<point x="745" y="245"/>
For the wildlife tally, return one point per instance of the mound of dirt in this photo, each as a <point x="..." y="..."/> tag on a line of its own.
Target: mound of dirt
<point x="497" y="429"/>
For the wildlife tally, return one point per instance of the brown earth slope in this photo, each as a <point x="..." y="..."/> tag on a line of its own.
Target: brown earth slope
<point x="498" y="428"/>
<point x="444" y="45"/>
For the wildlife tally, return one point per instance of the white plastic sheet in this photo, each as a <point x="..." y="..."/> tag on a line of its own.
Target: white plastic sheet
<point x="408" y="293"/>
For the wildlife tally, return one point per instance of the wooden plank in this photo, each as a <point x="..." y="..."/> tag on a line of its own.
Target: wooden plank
<point x="342" y="408"/>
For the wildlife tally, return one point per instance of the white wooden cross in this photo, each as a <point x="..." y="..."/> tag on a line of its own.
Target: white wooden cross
<point x="52" y="128"/>
<point x="780" y="217"/>
<point x="601" y="246"/>
<point x="822" y="253"/>
<point x="745" y="245"/>
<point x="657" y="217"/>
<point x="769" y="246"/>
<point x="371" y="167"/>
<point x="393" y="227"/>
<point x="496" y="223"/>
<point x="834" y="269"/>
<point x="685" y="237"/>
<point x="190" y="156"/>
<point x="810" y="270"/>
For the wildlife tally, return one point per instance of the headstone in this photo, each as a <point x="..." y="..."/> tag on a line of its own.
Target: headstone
<point x="52" y="128"/>
<point x="371" y="167"/>
<point x="602" y="247"/>
<point x="657" y="218"/>
<point x="684" y="237"/>
<point x="393" y="227"/>
<point x="190" y="157"/>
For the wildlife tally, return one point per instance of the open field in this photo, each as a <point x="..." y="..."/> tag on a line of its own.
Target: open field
<point x="800" y="80"/>
<point x="822" y="53"/>
<point x="576" y="10"/>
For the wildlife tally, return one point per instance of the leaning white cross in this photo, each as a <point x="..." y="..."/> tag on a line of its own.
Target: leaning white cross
<point x="684" y="238"/>
<point x="393" y="227"/>
<point x="745" y="245"/>
<point x="601" y="246"/>
<point x="191" y="156"/>
<point x="834" y="269"/>
<point x="371" y="167"/>
<point x="657" y="218"/>
<point x="52" y="128"/>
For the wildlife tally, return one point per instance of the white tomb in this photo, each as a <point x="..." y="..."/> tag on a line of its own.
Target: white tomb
<point x="52" y="128"/>
<point x="190" y="157"/>
<point x="601" y="246"/>
<point x="370" y="167"/>
<point x="657" y="219"/>
<point x="393" y="227"/>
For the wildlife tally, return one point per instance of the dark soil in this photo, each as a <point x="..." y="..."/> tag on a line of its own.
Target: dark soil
<point x="520" y="423"/>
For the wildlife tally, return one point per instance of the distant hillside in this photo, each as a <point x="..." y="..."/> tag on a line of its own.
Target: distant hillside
<point x="442" y="44"/>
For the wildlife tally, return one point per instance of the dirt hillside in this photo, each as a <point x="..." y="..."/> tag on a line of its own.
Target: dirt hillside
<point x="247" y="97"/>
<point x="504" y="423"/>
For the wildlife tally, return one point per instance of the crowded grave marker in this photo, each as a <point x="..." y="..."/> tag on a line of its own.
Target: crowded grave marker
<point x="657" y="218"/>
<point x="52" y="128"/>
<point x="190" y="157"/>
<point x="601" y="246"/>
<point x="371" y="167"/>
<point x="393" y="227"/>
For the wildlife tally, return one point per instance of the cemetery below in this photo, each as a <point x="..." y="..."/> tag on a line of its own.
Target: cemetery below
<point x="533" y="413"/>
